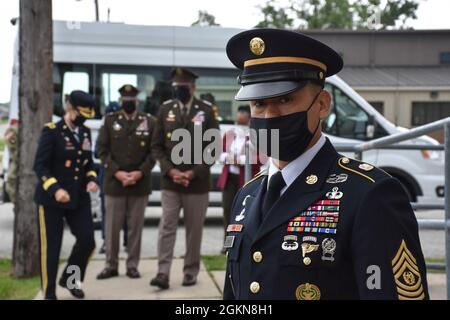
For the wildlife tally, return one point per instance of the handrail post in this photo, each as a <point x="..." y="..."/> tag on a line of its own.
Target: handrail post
<point x="447" y="206"/>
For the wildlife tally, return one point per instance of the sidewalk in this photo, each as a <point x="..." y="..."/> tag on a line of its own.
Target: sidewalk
<point x="123" y="288"/>
<point x="208" y="287"/>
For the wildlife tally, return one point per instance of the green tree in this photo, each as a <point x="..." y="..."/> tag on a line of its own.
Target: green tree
<point x="338" y="14"/>
<point x="275" y="16"/>
<point x="205" y="19"/>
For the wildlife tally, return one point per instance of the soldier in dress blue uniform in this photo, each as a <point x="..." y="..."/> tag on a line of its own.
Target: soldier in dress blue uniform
<point x="66" y="174"/>
<point x="316" y="224"/>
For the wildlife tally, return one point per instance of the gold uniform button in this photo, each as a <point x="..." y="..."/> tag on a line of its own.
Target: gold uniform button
<point x="77" y="169"/>
<point x="255" y="287"/>
<point x="76" y="178"/>
<point x="257" y="256"/>
<point x="80" y="152"/>
<point x="78" y="160"/>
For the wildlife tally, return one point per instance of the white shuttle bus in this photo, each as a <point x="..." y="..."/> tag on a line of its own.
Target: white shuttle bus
<point x="101" y="57"/>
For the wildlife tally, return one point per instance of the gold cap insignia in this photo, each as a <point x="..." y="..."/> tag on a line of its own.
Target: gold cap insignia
<point x="307" y="291"/>
<point x="127" y="88"/>
<point x="257" y="46"/>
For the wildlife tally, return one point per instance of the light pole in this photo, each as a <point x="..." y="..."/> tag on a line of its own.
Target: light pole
<point x="96" y="9"/>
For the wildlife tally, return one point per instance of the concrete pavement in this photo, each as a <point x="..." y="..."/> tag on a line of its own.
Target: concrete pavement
<point x="123" y="288"/>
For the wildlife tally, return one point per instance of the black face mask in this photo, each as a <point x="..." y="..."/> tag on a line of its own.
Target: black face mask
<point x="294" y="135"/>
<point x="79" y="121"/>
<point x="182" y="93"/>
<point x="129" y="106"/>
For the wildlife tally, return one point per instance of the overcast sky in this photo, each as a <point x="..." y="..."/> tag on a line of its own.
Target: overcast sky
<point x="432" y="14"/>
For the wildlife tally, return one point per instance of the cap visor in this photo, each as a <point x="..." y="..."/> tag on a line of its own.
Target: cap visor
<point x="265" y="90"/>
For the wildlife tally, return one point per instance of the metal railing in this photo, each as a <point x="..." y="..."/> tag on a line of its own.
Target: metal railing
<point x="390" y="142"/>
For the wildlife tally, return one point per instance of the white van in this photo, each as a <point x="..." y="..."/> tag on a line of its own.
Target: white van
<point x="101" y="57"/>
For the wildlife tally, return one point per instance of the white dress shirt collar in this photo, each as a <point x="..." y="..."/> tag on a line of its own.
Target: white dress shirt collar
<point x="298" y="165"/>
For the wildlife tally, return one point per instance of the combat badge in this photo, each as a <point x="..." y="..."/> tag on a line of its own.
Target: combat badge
<point x="337" y="178"/>
<point x="328" y="249"/>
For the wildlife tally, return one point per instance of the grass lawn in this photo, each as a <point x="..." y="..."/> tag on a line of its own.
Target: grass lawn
<point x="215" y="263"/>
<point x="16" y="289"/>
<point x="440" y="261"/>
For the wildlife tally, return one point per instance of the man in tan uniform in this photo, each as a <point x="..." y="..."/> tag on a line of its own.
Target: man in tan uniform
<point x="124" y="147"/>
<point x="184" y="185"/>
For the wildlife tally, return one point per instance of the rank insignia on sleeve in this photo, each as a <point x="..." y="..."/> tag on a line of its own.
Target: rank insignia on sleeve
<point x="406" y="274"/>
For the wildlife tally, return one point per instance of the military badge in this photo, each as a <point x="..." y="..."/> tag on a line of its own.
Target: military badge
<point x="199" y="117"/>
<point x="86" y="146"/>
<point x="143" y="126"/>
<point x="308" y="248"/>
<point x="68" y="163"/>
<point x="328" y="249"/>
<point x="289" y="243"/>
<point x="337" y="178"/>
<point x="234" y="228"/>
<point x="312" y="179"/>
<point x="334" y="194"/>
<point x="241" y="215"/>
<point x="229" y="242"/>
<point x="116" y="126"/>
<point x="307" y="291"/>
<point x="257" y="46"/>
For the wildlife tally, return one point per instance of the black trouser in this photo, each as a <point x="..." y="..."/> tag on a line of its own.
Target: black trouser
<point x="51" y="227"/>
<point x="231" y="188"/>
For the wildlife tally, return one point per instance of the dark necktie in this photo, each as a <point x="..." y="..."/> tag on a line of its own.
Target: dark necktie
<point x="276" y="183"/>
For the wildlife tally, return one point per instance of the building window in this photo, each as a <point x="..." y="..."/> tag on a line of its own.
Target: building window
<point x="445" y="57"/>
<point x="378" y="105"/>
<point x="426" y="112"/>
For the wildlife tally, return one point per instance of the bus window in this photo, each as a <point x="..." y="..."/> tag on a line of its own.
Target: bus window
<point x="112" y="80"/>
<point x="73" y="80"/>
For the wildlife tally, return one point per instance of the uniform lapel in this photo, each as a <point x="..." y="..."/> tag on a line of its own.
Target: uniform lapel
<point x="69" y="133"/>
<point x="135" y="122"/>
<point x="300" y="194"/>
<point x="176" y="109"/>
<point x="252" y="209"/>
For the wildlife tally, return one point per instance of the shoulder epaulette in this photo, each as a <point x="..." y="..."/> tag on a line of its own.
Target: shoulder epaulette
<point x="260" y="174"/>
<point x="363" y="169"/>
<point x="50" y="125"/>
<point x="206" y="102"/>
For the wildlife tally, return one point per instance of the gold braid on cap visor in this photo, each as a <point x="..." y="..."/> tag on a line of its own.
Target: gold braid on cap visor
<point x="86" y="112"/>
<point x="254" y="62"/>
